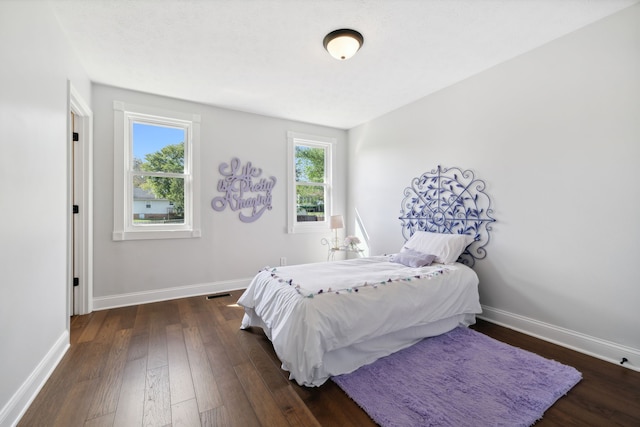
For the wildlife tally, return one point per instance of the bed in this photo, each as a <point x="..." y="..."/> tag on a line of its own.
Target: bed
<point x="330" y="318"/>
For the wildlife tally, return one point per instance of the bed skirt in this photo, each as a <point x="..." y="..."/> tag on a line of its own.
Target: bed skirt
<point x="348" y="359"/>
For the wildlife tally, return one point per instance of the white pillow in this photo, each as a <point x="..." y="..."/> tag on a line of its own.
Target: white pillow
<point x="446" y="247"/>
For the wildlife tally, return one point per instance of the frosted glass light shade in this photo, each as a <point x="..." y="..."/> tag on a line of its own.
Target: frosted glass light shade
<point x="343" y="44"/>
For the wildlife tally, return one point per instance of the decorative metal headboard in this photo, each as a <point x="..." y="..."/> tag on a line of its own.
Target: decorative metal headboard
<point x="449" y="201"/>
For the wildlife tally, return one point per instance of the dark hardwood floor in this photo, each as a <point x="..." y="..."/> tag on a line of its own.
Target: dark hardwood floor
<point x="186" y="363"/>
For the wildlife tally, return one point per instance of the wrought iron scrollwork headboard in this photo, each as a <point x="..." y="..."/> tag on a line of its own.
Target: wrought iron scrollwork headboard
<point x="449" y="200"/>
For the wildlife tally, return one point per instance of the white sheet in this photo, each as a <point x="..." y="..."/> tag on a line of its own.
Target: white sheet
<point x="314" y="310"/>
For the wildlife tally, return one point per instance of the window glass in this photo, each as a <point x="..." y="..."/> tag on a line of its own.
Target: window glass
<point x="310" y="203"/>
<point x="158" y="148"/>
<point x="310" y="164"/>
<point x="163" y="200"/>
<point x="158" y="151"/>
<point x="310" y="167"/>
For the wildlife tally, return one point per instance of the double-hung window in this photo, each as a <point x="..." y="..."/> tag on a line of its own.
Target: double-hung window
<point x="310" y="166"/>
<point x="155" y="173"/>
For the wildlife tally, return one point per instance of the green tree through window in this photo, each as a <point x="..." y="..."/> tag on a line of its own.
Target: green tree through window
<point x="310" y="182"/>
<point x="170" y="159"/>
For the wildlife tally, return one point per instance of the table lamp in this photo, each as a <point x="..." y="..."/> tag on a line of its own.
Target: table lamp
<point x="336" y="222"/>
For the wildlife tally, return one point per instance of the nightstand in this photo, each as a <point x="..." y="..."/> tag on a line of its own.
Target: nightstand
<point x="331" y="251"/>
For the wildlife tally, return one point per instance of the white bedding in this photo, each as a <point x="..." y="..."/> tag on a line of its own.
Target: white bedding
<point x="330" y="318"/>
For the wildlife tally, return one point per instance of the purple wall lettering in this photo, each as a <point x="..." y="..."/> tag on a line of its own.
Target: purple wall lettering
<point x="239" y="190"/>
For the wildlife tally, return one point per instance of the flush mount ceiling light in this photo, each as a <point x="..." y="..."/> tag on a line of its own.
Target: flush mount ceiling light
<point x="343" y="44"/>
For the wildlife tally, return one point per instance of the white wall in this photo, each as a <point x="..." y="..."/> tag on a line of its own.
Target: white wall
<point x="36" y="66"/>
<point x="555" y="133"/>
<point x="229" y="252"/>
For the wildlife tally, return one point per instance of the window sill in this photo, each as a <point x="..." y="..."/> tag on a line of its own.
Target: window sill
<point x="156" y="234"/>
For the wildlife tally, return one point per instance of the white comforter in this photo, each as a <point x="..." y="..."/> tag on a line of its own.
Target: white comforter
<point x="311" y="310"/>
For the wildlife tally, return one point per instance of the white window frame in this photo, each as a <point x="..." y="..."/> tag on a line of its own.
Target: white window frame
<point x="123" y="226"/>
<point x="294" y="139"/>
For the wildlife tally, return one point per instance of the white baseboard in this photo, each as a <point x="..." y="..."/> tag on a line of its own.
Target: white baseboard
<point x="134" y="298"/>
<point x="20" y="401"/>
<point x="596" y="347"/>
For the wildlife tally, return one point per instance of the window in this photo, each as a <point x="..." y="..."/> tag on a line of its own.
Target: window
<point x="155" y="173"/>
<point x="310" y="176"/>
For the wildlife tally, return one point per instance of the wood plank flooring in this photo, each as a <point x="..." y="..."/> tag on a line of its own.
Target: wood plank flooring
<point x="185" y="362"/>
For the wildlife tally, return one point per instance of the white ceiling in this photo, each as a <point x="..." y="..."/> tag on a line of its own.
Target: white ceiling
<point x="266" y="56"/>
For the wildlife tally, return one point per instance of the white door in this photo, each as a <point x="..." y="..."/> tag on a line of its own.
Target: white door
<point x="80" y="251"/>
<point x="75" y="238"/>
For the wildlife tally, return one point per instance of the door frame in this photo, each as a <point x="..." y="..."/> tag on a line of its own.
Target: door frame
<point x="82" y="303"/>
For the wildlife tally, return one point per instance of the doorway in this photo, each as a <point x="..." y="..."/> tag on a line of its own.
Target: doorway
<point x="80" y="226"/>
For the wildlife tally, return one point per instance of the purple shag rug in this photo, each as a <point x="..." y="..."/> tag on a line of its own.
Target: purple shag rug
<point x="461" y="378"/>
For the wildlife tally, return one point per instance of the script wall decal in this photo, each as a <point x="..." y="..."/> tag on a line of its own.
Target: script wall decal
<point x="244" y="190"/>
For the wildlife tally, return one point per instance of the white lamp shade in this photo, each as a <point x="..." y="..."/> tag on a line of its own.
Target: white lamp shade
<point x="343" y="44"/>
<point x="335" y="222"/>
